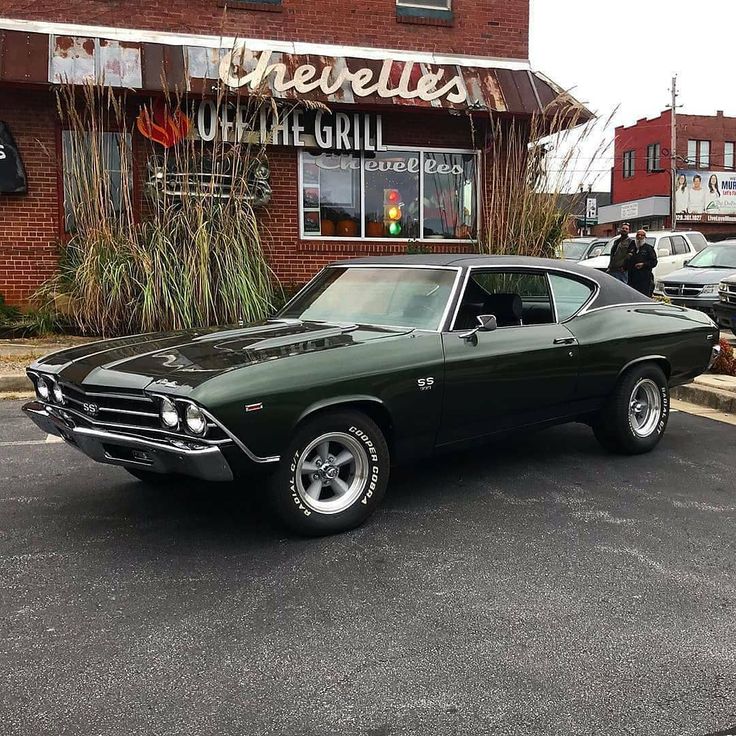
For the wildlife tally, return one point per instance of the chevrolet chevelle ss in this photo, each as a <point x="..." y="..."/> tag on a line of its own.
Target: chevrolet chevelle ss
<point x="377" y="361"/>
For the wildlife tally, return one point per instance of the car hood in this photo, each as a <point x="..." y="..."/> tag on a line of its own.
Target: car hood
<point x="699" y="275"/>
<point x="184" y="360"/>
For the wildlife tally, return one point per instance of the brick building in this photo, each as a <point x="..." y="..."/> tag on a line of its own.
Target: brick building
<point x="406" y="89"/>
<point x="704" y="167"/>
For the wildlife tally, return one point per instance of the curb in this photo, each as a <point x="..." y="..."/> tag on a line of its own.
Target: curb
<point x="15" y="382"/>
<point x="714" y="398"/>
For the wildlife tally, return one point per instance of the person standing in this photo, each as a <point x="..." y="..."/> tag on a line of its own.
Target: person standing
<point x="696" y="196"/>
<point x="641" y="265"/>
<point x="618" y="265"/>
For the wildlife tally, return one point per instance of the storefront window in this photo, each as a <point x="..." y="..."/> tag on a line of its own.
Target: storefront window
<point x="331" y="195"/>
<point x="449" y="196"/>
<point x="396" y="194"/>
<point x="92" y="171"/>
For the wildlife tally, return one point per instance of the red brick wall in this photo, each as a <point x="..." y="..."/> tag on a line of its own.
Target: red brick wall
<point x="488" y="28"/>
<point x="29" y="223"/>
<point x="637" y="137"/>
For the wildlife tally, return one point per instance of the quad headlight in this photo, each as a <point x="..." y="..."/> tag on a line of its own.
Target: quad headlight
<point x="169" y="414"/>
<point x="710" y="289"/>
<point x="58" y="394"/>
<point x="43" y="388"/>
<point x="195" y="420"/>
<point x="659" y="287"/>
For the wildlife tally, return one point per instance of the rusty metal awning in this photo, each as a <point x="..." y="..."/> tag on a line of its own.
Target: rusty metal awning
<point x="46" y="53"/>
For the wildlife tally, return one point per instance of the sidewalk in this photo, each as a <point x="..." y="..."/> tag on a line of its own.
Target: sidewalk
<point x="712" y="390"/>
<point x="16" y="355"/>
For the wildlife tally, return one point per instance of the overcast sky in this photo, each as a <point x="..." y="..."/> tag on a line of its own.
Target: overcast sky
<point x="624" y="53"/>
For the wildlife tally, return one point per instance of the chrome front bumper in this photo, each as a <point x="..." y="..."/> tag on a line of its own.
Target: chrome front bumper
<point x="167" y="456"/>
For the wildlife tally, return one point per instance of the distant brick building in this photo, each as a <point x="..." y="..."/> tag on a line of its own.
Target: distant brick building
<point x="410" y="87"/>
<point x="704" y="167"/>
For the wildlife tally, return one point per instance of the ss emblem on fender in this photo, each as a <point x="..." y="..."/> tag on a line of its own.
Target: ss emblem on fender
<point x="425" y="384"/>
<point x="91" y="409"/>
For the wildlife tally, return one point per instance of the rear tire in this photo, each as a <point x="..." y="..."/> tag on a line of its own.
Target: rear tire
<point x="635" y="416"/>
<point x="333" y="474"/>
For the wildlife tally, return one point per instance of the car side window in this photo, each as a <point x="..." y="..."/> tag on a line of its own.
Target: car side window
<point x="569" y="294"/>
<point x="681" y="248"/>
<point x="698" y="241"/>
<point x="664" y="247"/>
<point x="515" y="298"/>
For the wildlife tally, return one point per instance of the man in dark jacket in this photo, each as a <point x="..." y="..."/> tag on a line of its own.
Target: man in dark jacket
<point x="618" y="265"/>
<point x="641" y="264"/>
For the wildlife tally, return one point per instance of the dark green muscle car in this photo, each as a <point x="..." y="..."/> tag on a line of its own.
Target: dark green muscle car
<point x="377" y="361"/>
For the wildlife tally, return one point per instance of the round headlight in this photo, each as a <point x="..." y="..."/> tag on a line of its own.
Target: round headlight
<point x="195" y="420"/>
<point x="169" y="414"/>
<point x="58" y="394"/>
<point x="42" y="387"/>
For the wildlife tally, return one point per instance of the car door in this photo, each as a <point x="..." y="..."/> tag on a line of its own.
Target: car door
<point x="521" y="373"/>
<point x="683" y="250"/>
<point x="666" y="261"/>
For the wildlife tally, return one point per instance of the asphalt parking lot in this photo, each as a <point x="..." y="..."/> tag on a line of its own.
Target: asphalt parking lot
<point x="539" y="586"/>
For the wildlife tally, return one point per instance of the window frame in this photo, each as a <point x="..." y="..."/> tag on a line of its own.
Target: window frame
<point x="419" y="5"/>
<point x="695" y="156"/>
<point x="654" y="155"/>
<point x="628" y="168"/>
<point x="133" y="185"/>
<point x="421" y="150"/>
<point x="732" y="155"/>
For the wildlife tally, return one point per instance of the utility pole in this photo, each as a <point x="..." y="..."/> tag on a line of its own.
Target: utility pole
<point x="673" y="155"/>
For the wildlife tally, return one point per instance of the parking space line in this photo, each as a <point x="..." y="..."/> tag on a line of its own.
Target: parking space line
<point x="19" y="443"/>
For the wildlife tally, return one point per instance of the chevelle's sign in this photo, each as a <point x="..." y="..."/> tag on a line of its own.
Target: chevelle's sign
<point x="241" y="67"/>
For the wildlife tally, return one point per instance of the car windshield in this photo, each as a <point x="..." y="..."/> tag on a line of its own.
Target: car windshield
<point x="609" y="247"/>
<point x="574" y="249"/>
<point x="715" y="256"/>
<point x="399" y="297"/>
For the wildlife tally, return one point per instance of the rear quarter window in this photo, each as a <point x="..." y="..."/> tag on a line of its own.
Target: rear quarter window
<point x="569" y="295"/>
<point x="698" y="241"/>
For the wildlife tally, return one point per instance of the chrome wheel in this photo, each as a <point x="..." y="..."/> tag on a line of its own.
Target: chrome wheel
<point x="331" y="473"/>
<point x="645" y="407"/>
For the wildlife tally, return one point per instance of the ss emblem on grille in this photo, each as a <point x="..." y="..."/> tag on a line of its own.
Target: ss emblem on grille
<point x="91" y="409"/>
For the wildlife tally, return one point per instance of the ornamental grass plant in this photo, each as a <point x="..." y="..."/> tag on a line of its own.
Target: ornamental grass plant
<point x="531" y="166"/>
<point x="142" y="261"/>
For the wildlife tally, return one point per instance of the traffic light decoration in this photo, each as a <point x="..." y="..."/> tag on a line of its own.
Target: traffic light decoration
<point x="392" y="213"/>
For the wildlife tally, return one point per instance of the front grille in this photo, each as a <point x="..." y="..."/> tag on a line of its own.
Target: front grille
<point x="131" y="413"/>
<point x="728" y="294"/>
<point x="674" y="289"/>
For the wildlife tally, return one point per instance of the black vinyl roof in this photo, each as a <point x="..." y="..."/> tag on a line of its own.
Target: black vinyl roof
<point x="612" y="291"/>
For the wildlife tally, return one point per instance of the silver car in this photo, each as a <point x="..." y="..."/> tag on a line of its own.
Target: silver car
<point x="696" y="285"/>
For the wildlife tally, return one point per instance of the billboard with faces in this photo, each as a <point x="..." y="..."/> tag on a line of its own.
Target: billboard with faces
<point x="705" y="196"/>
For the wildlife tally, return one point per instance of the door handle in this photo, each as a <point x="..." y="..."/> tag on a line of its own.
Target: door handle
<point x="564" y="341"/>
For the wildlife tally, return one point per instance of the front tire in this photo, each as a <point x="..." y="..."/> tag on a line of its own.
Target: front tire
<point x="333" y="475"/>
<point x="635" y="416"/>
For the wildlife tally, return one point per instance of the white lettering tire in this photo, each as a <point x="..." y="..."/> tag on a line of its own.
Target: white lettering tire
<point x="635" y="416"/>
<point x="333" y="474"/>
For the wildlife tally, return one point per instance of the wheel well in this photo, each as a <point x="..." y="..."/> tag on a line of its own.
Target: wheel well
<point x="657" y="360"/>
<point x="377" y="412"/>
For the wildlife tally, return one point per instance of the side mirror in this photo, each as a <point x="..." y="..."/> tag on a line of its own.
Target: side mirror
<point x="486" y="323"/>
<point x="686" y="263"/>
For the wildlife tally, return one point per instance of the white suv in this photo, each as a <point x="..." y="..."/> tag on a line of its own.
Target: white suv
<point x="672" y="248"/>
